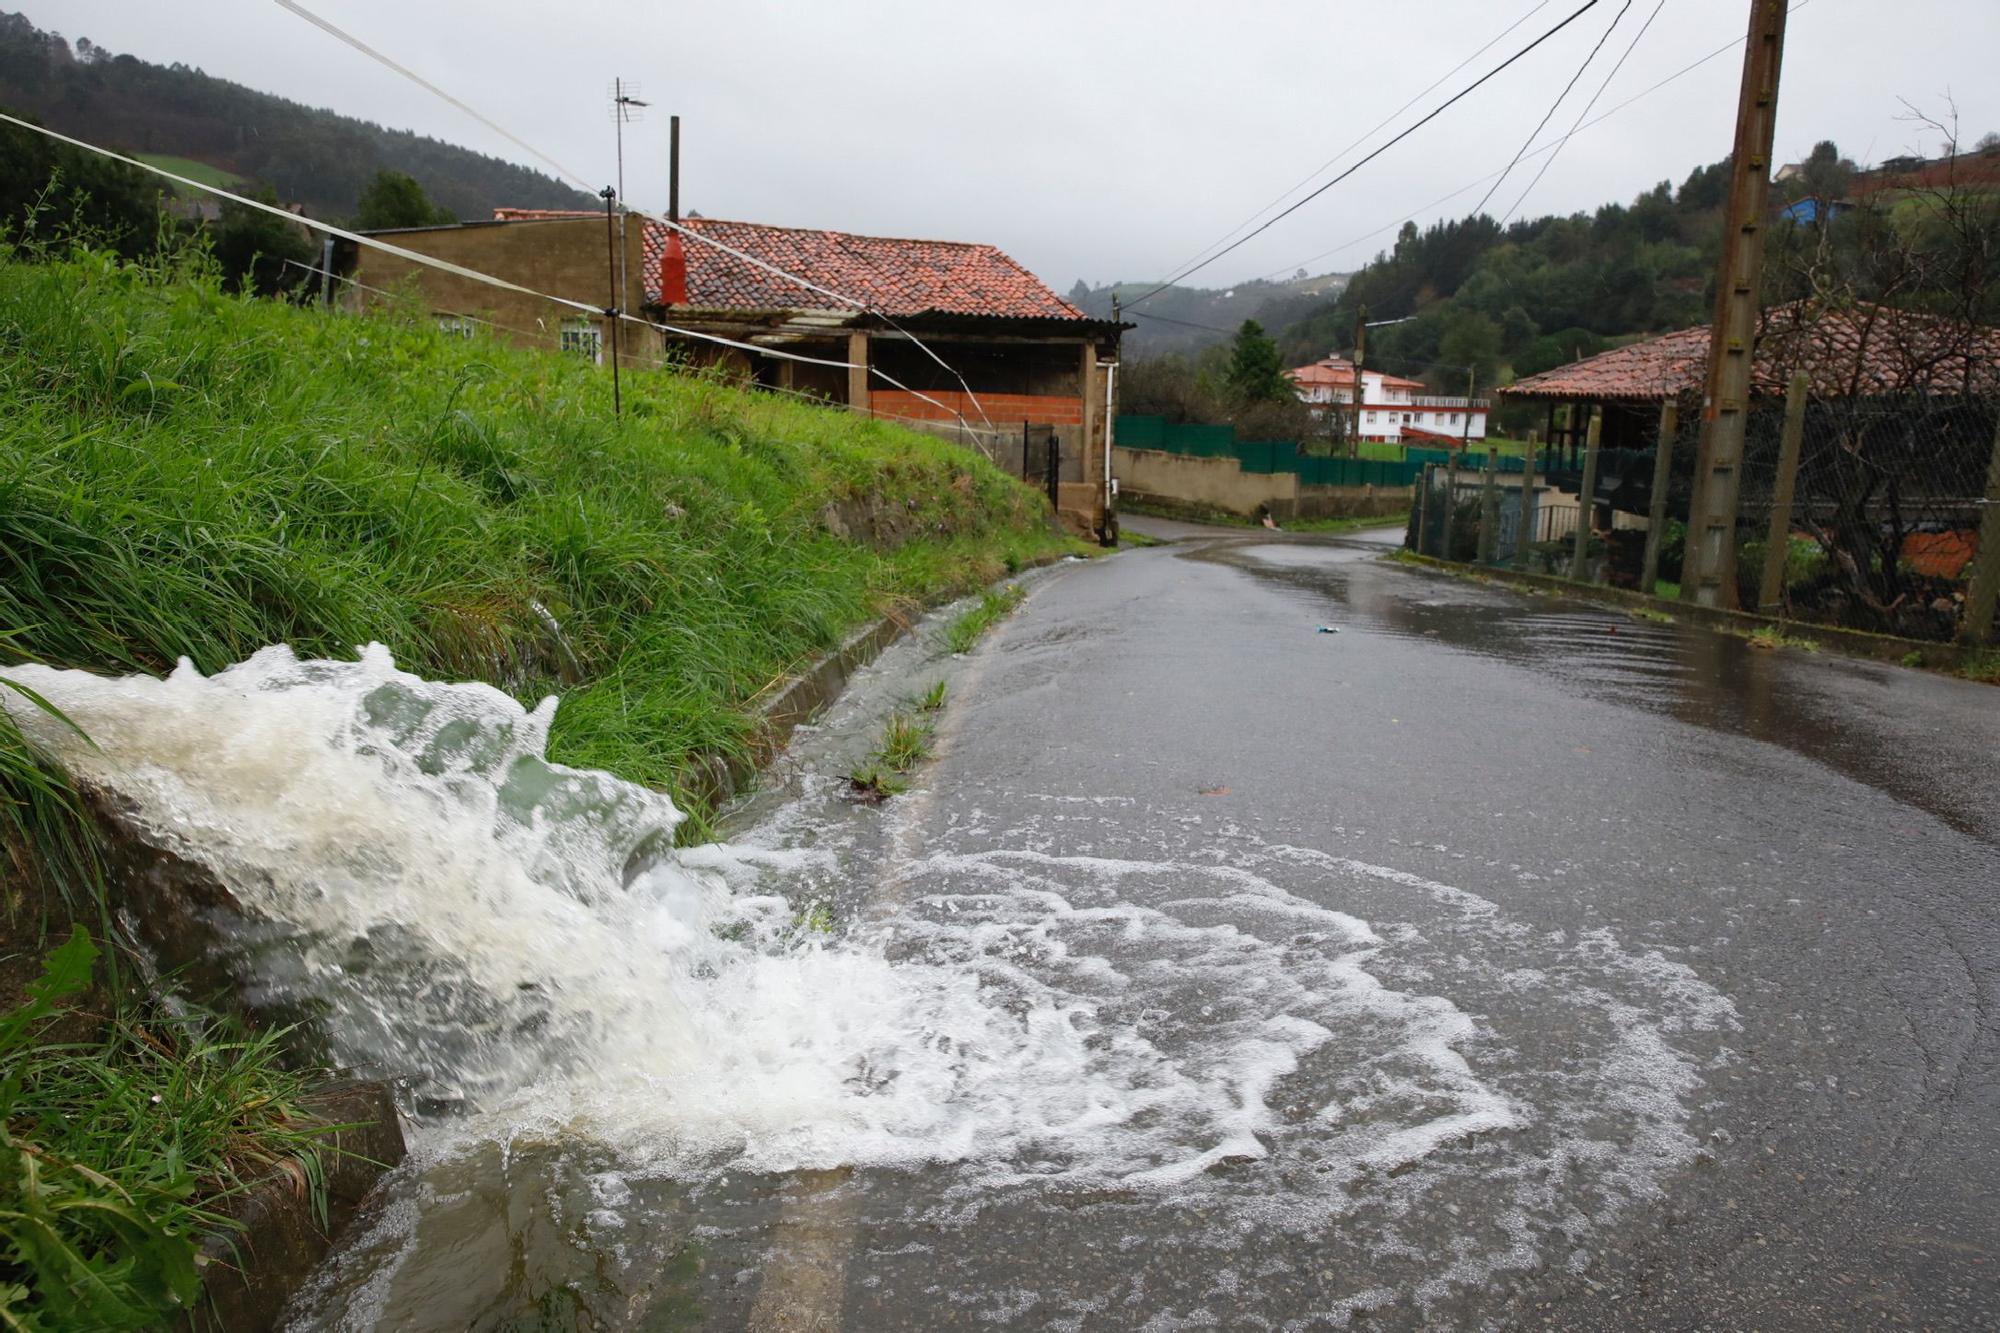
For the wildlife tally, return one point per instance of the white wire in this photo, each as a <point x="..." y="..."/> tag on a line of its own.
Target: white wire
<point x="459" y="270"/>
<point x="575" y="178"/>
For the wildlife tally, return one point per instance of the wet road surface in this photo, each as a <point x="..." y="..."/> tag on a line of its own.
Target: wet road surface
<point x="1493" y="961"/>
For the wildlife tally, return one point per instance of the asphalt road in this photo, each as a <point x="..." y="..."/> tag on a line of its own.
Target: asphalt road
<point x="1489" y="961"/>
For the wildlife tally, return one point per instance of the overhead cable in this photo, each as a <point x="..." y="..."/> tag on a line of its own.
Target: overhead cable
<point x="1550" y="159"/>
<point x="577" y="179"/>
<point x="460" y="270"/>
<point x="1561" y="97"/>
<point x="1364" y="137"/>
<point x="1550" y="147"/>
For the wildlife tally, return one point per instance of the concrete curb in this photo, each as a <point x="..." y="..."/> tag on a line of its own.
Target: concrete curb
<point x="248" y="1275"/>
<point x="716" y="778"/>
<point x="1946" y="657"/>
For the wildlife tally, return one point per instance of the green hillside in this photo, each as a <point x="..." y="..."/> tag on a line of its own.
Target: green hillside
<point x="307" y="154"/>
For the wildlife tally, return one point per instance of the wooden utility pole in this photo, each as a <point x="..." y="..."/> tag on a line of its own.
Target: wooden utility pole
<point x="1709" y="570"/>
<point x="1656" y="510"/>
<point x="1360" y="388"/>
<point x="1778" y="541"/>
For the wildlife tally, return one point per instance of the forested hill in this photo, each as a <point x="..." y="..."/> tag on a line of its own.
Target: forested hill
<point x="308" y="155"/>
<point x="1515" y="300"/>
<point x="1534" y="294"/>
<point x="1188" y="319"/>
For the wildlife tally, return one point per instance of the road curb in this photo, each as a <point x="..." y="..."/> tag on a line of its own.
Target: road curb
<point x="1941" y="657"/>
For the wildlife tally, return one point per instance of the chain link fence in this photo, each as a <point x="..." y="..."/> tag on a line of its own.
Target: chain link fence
<point x="1881" y="512"/>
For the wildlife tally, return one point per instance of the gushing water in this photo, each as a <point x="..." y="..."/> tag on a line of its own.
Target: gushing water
<point x="521" y="941"/>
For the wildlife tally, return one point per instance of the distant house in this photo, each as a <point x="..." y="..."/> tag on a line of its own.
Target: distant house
<point x="1393" y="410"/>
<point x="1033" y="364"/>
<point x="1812" y="209"/>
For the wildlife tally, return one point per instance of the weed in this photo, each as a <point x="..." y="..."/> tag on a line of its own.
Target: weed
<point x="932" y="699"/>
<point x="1771" y="636"/>
<point x="1913" y="658"/>
<point x="114" y="1156"/>
<point x="963" y="632"/>
<point x="1648" y="613"/>
<point x="905" y="743"/>
<point x="815" y="918"/>
<point x="874" y="783"/>
<point x="1136" y="540"/>
<point x="1982" y="665"/>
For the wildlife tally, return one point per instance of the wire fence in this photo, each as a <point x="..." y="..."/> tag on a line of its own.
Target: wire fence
<point x="1877" y="512"/>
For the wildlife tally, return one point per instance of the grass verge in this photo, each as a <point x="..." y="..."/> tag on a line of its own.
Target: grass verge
<point x="117" y="1151"/>
<point x="962" y="633"/>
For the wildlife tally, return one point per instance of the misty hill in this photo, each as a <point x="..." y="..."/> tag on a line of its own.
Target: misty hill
<point x="1188" y="319"/>
<point x="307" y="154"/>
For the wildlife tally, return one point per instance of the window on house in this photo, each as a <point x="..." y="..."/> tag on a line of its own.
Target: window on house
<point x="583" y="337"/>
<point x="1406" y="418"/>
<point x="456" y="326"/>
<point x="1371" y="418"/>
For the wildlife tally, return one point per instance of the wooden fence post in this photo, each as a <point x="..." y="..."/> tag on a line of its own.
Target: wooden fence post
<point x="1423" y="508"/>
<point x="1778" y="541"/>
<point x="1985" y="590"/>
<point x="1656" y="511"/>
<point x="1450" y="498"/>
<point x="1489" y="506"/>
<point x="1586" y="496"/>
<point x="1526" y="534"/>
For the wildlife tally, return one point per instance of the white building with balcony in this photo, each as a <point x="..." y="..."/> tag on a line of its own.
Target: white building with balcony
<point x="1393" y="410"/>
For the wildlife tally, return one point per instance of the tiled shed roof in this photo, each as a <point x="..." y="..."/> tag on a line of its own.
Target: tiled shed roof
<point x="893" y="277"/>
<point x="1853" y="352"/>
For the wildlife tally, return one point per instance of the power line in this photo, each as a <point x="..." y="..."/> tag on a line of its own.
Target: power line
<point x="577" y="179"/>
<point x="1549" y="161"/>
<point x="460" y="270"/>
<point x="1551" y="147"/>
<point x="1184" y="323"/>
<point x="1561" y="97"/>
<point x="1310" y="176"/>
<point x="1442" y="107"/>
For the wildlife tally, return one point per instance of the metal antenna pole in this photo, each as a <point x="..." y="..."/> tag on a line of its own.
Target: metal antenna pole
<point x="624" y="107"/>
<point x="611" y="312"/>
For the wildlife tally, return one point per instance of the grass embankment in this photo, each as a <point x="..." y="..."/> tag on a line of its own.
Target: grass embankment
<point x="185" y="473"/>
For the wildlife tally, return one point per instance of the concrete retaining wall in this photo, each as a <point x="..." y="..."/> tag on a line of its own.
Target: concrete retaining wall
<point x="1220" y="485"/>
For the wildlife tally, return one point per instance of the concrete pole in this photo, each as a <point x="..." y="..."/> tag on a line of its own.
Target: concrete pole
<point x="1526" y="536"/>
<point x="1360" y="388"/>
<point x="1423" y="509"/>
<point x="1450" y="499"/>
<point x="1489" y="506"/>
<point x="1709" y="578"/>
<point x="1587" y="496"/>
<point x="1656" y="511"/>
<point x="1985" y="590"/>
<point x="1778" y="541"/>
<point x="857" y="372"/>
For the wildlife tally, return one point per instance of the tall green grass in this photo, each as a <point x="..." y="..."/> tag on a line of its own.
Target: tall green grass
<point x="186" y="473"/>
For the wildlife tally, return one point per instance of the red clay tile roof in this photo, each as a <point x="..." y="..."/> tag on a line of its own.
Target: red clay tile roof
<point x="893" y="277"/>
<point x="1339" y="371"/>
<point x="1854" y="352"/>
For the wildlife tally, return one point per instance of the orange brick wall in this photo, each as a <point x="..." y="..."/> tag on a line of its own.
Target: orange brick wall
<point x="1041" y="409"/>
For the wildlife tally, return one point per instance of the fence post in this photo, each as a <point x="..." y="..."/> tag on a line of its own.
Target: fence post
<point x="1450" y="497"/>
<point x="1024" y="450"/>
<point x="1526" y="535"/>
<point x="1489" y="506"/>
<point x="1586" y="496"/>
<point x="1985" y="589"/>
<point x="1656" y="511"/>
<point x="1055" y="470"/>
<point x="1423" y="508"/>
<point x="1777" y="545"/>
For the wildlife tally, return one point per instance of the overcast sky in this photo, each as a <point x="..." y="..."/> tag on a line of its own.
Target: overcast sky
<point x="1108" y="141"/>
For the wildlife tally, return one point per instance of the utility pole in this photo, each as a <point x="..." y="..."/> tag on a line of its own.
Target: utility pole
<point x="1709" y="570"/>
<point x="674" y="169"/>
<point x="611" y="312"/>
<point x="1360" y="387"/>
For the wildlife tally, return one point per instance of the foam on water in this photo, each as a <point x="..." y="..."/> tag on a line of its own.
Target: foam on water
<point x="521" y="938"/>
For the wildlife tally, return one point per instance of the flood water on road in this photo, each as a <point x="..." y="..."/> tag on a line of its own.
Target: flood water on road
<point x="1490" y="960"/>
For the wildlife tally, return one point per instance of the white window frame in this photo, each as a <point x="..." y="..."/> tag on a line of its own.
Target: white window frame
<point x="581" y="336"/>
